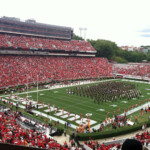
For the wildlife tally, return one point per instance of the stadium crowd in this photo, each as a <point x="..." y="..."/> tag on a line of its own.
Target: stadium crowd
<point x="96" y="145"/>
<point x="142" y="137"/>
<point x="28" y="42"/>
<point x="135" y="70"/>
<point x="16" y="70"/>
<point x="13" y="133"/>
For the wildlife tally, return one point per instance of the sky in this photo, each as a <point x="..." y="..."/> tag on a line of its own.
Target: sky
<point x="125" y="22"/>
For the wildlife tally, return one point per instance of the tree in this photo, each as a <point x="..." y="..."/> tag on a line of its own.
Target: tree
<point x="119" y="59"/>
<point x="104" y="48"/>
<point x="148" y="56"/>
<point x="110" y="50"/>
<point x="119" y="52"/>
<point x="127" y="55"/>
<point x="93" y="42"/>
<point x="76" y="37"/>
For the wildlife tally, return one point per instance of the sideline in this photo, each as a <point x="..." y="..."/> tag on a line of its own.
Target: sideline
<point x="128" y="113"/>
<point x="63" y="86"/>
<point x="77" y="84"/>
<point x="43" y="114"/>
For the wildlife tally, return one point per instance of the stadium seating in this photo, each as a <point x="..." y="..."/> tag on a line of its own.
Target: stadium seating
<point x="14" y="70"/>
<point x="143" y="137"/>
<point x="96" y="145"/>
<point x="28" y="42"/>
<point x="13" y="133"/>
<point x="135" y="69"/>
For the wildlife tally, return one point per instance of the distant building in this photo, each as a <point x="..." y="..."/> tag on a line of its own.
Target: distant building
<point x="140" y="49"/>
<point x="145" y="50"/>
<point x="133" y="48"/>
<point x="129" y="48"/>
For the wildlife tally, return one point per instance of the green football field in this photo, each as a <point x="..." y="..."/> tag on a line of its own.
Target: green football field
<point x="79" y="104"/>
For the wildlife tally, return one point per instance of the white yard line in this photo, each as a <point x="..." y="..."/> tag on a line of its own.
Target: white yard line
<point x="63" y="86"/>
<point x="53" y="118"/>
<point x="43" y="114"/>
<point x="136" y="81"/>
<point x="81" y="83"/>
<point x="128" y="113"/>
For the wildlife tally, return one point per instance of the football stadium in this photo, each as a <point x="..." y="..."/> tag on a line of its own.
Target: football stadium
<point x="56" y="94"/>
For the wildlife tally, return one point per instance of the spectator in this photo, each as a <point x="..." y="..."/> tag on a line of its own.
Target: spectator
<point x="13" y="69"/>
<point x="132" y="144"/>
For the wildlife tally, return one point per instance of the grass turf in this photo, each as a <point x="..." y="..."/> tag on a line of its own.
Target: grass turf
<point x="77" y="105"/>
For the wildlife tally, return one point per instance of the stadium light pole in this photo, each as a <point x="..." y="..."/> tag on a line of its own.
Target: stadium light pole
<point x="80" y="31"/>
<point x="85" y="29"/>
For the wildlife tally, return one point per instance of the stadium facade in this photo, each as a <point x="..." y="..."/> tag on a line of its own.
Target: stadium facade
<point x="41" y="39"/>
<point x="48" y="48"/>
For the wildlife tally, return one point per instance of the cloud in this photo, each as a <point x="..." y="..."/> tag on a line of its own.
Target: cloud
<point x="145" y="35"/>
<point x="145" y="32"/>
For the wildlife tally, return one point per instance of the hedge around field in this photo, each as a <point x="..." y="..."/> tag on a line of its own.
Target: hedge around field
<point x="112" y="133"/>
